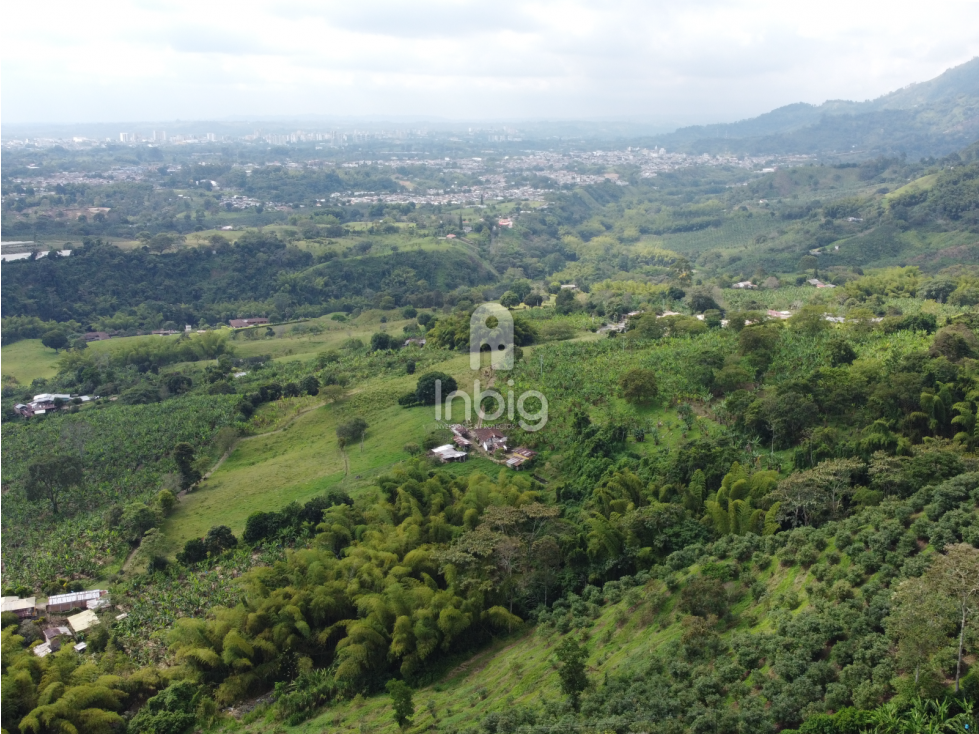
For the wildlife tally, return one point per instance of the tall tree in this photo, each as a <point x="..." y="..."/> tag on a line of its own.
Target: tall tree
<point x="957" y="575"/>
<point x="574" y="679"/>
<point x="402" y="702"/>
<point x="51" y="477"/>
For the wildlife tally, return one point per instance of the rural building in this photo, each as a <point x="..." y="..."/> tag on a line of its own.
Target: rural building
<point x="489" y="438"/>
<point x="745" y="285"/>
<point x="53" y="633"/>
<point x="23" y="608"/>
<point x="242" y="323"/>
<point x="520" y="456"/>
<point x="416" y="342"/>
<point x="779" y="314"/>
<point x="77" y="600"/>
<point x="448" y="453"/>
<point x="83" y="620"/>
<point x="819" y="284"/>
<point x="95" y="336"/>
<point x="508" y="223"/>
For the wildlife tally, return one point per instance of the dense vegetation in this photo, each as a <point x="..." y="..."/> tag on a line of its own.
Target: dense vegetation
<point x="736" y="522"/>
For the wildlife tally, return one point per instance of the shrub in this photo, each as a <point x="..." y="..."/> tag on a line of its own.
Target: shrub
<point x="703" y="597"/>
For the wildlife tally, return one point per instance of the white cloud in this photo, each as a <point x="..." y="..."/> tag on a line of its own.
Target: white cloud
<point x="703" y="60"/>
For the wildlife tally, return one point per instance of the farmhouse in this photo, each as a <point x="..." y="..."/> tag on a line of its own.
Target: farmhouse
<point x="745" y="285"/>
<point x="489" y="438"/>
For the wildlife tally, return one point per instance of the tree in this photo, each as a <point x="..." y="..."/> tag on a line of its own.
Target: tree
<point x="957" y="576"/>
<point x="574" y="680"/>
<point x="402" y="702"/>
<point x="49" y="478"/>
<point x="809" y="320"/>
<point x="565" y="301"/>
<point x="381" y="341"/>
<point x="310" y="385"/>
<point x="425" y="388"/>
<point x="183" y="455"/>
<point x="758" y="344"/>
<point x="55" y="339"/>
<point x="675" y="293"/>
<point x="938" y="289"/>
<point x="219" y="539"/>
<point x="840" y="352"/>
<point x="808" y="496"/>
<point x="700" y="300"/>
<point x="533" y="299"/>
<point x="639" y="385"/>
<point x="919" y="619"/>
<point x="352" y="430"/>
<point x="509" y="300"/>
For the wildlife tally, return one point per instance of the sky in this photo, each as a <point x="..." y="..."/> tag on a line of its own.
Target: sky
<point x="671" y="62"/>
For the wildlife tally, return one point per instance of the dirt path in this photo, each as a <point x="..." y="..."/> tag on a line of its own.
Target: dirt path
<point x="238" y="440"/>
<point x="489" y="383"/>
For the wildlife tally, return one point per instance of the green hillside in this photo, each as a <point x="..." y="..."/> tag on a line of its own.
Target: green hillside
<point x="750" y="503"/>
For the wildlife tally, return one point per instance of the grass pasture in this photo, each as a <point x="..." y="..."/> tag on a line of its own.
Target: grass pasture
<point x="302" y="459"/>
<point x="27" y="360"/>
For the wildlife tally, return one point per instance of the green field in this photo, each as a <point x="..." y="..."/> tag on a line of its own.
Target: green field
<point x="27" y="360"/>
<point x="301" y="460"/>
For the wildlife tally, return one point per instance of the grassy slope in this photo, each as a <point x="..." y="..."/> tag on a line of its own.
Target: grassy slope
<point x="268" y="471"/>
<point x="28" y="359"/>
<point x="521" y="669"/>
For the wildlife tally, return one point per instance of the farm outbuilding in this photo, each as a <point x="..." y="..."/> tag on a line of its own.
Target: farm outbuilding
<point x="23" y="608"/>
<point x="76" y="600"/>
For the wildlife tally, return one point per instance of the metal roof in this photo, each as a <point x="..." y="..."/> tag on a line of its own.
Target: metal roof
<point x="76" y="596"/>
<point x="83" y="620"/>
<point x="13" y="604"/>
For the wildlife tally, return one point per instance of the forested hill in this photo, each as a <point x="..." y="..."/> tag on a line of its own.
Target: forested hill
<point x="933" y="118"/>
<point x="215" y="284"/>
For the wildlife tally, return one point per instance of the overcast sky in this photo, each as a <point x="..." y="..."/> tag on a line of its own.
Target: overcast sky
<point x="676" y="60"/>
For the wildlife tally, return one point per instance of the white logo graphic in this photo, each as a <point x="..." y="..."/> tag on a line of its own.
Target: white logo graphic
<point x="491" y="325"/>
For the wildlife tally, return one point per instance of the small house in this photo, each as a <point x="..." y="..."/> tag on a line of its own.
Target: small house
<point x="745" y="285"/>
<point x="520" y="456"/>
<point x="490" y="439"/>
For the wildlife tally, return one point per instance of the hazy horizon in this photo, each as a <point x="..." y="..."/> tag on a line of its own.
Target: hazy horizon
<point x="452" y="62"/>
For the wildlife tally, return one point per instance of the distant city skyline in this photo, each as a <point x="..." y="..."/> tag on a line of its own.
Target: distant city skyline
<point x="663" y="63"/>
